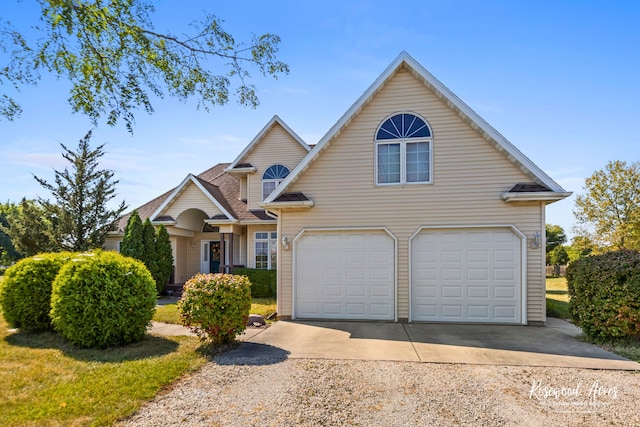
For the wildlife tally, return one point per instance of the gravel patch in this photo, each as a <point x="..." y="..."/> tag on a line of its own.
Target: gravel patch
<point x="275" y="391"/>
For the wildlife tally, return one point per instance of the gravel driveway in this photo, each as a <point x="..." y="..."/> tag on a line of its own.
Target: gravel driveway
<point x="319" y="392"/>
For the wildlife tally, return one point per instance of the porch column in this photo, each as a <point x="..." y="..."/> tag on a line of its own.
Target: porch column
<point x="226" y="262"/>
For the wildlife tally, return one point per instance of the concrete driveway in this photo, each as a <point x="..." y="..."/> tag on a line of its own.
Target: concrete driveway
<point x="552" y="346"/>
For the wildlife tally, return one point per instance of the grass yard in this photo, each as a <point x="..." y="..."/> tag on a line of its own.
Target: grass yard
<point x="46" y="381"/>
<point x="558" y="306"/>
<point x="557" y="297"/>
<point x="169" y="313"/>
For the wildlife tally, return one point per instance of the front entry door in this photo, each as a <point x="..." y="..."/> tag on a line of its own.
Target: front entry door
<point x="210" y="256"/>
<point x="214" y="263"/>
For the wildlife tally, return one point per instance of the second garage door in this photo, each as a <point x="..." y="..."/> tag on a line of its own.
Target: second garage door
<point x="345" y="275"/>
<point x="466" y="275"/>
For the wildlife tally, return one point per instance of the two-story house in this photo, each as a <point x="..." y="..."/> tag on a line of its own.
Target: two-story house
<point x="411" y="207"/>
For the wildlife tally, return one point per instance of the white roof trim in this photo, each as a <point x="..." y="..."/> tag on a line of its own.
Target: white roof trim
<point x="441" y="91"/>
<point x="535" y="196"/>
<point x="168" y="222"/>
<point x="241" y="170"/>
<point x="190" y="178"/>
<point x="275" y="119"/>
<point x="291" y="205"/>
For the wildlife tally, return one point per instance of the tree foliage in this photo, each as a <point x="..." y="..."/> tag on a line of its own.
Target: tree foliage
<point x="30" y="229"/>
<point x="611" y="205"/>
<point x="555" y="236"/>
<point x="8" y="252"/>
<point x="153" y="248"/>
<point x="164" y="259"/>
<point x="559" y="256"/>
<point x="149" y="256"/>
<point x="117" y="61"/>
<point x="81" y="197"/>
<point x="132" y="244"/>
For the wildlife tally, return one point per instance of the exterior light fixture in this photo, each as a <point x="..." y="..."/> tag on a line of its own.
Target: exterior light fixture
<point x="285" y="243"/>
<point x="534" y="242"/>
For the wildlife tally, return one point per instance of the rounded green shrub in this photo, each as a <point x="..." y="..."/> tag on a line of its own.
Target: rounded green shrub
<point x="604" y="293"/>
<point x="263" y="282"/>
<point x="25" y="293"/>
<point x="103" y="299"/>
<point x="216" y="306"/>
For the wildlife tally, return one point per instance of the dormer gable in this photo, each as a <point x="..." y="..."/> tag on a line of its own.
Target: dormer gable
<point x="267" y="160"/>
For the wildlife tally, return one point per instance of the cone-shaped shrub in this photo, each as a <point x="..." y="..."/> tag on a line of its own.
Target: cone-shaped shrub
<point x="103" y="299"/>
<point x="216" y="306"/>
<point x="25" y="293"/>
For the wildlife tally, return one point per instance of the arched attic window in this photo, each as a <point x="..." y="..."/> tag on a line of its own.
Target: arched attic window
<point x="272" y="177"/>
<point x="403" y="150"/>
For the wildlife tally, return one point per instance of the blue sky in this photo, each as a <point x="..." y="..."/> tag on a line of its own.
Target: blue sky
<point x="559" y="79"/>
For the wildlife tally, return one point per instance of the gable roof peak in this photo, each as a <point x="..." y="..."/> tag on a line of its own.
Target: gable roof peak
<point x="210" y="190"/>
<point x="449" y="98"/>
<point x="256" y="140"/>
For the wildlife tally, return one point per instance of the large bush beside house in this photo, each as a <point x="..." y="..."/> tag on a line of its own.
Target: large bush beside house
<point x="604" y="294"/>
<point x="103" y="299"/>
<point x="263" y="282"/>
<point x="216" y="306"/>
<point x="25" y="293"/>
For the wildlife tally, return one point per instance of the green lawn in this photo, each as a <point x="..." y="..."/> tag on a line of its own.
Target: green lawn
<point x="47" y="382"/>
<point x="169" y="313"/>
<point x="557" y="297"/>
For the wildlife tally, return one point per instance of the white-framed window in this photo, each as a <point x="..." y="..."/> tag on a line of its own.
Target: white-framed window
<point x="266" y="255"/>
<point x="403" y="150"/>
<point x="272" y="177"/>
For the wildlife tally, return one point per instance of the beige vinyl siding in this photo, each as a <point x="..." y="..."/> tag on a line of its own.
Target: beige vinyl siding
<point x="469" y="175"/>
<point x="181" y="247"/>
<point x="277" y="147"/>
<point x="191" y="198"/>
<point x="111" y="243"/>
<point x="243" y="188"/>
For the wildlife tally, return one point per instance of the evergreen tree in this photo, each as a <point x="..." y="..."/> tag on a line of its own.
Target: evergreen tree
<point x="8" y="252"/>
<point x="30" y="230"/>
<point x="164" y="258"/>
<point x="149" y="255"/>
<point x="132" y="244"/>
<point x="81" y="197"/>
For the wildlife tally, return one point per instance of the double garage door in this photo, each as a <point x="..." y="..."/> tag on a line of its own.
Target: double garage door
<point x="456" y="275"/>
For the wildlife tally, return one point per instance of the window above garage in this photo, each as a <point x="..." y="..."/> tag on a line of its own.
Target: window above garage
<point x="403" y="150"/>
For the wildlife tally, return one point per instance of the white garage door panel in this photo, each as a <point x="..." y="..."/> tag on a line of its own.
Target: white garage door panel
<point x="466" y="276"/>
<point x="345" y="275"/>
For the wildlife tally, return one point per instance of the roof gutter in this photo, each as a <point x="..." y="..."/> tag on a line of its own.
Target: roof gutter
<point x="302" y="204"/>
<point x="220" y="221"/>
<point x="240" y="171"/>
<point x="537" y="196"/>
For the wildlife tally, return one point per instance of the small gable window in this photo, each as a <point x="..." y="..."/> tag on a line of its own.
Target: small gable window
<point x="403" y="150"/>
<point x="272" y="177"/>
